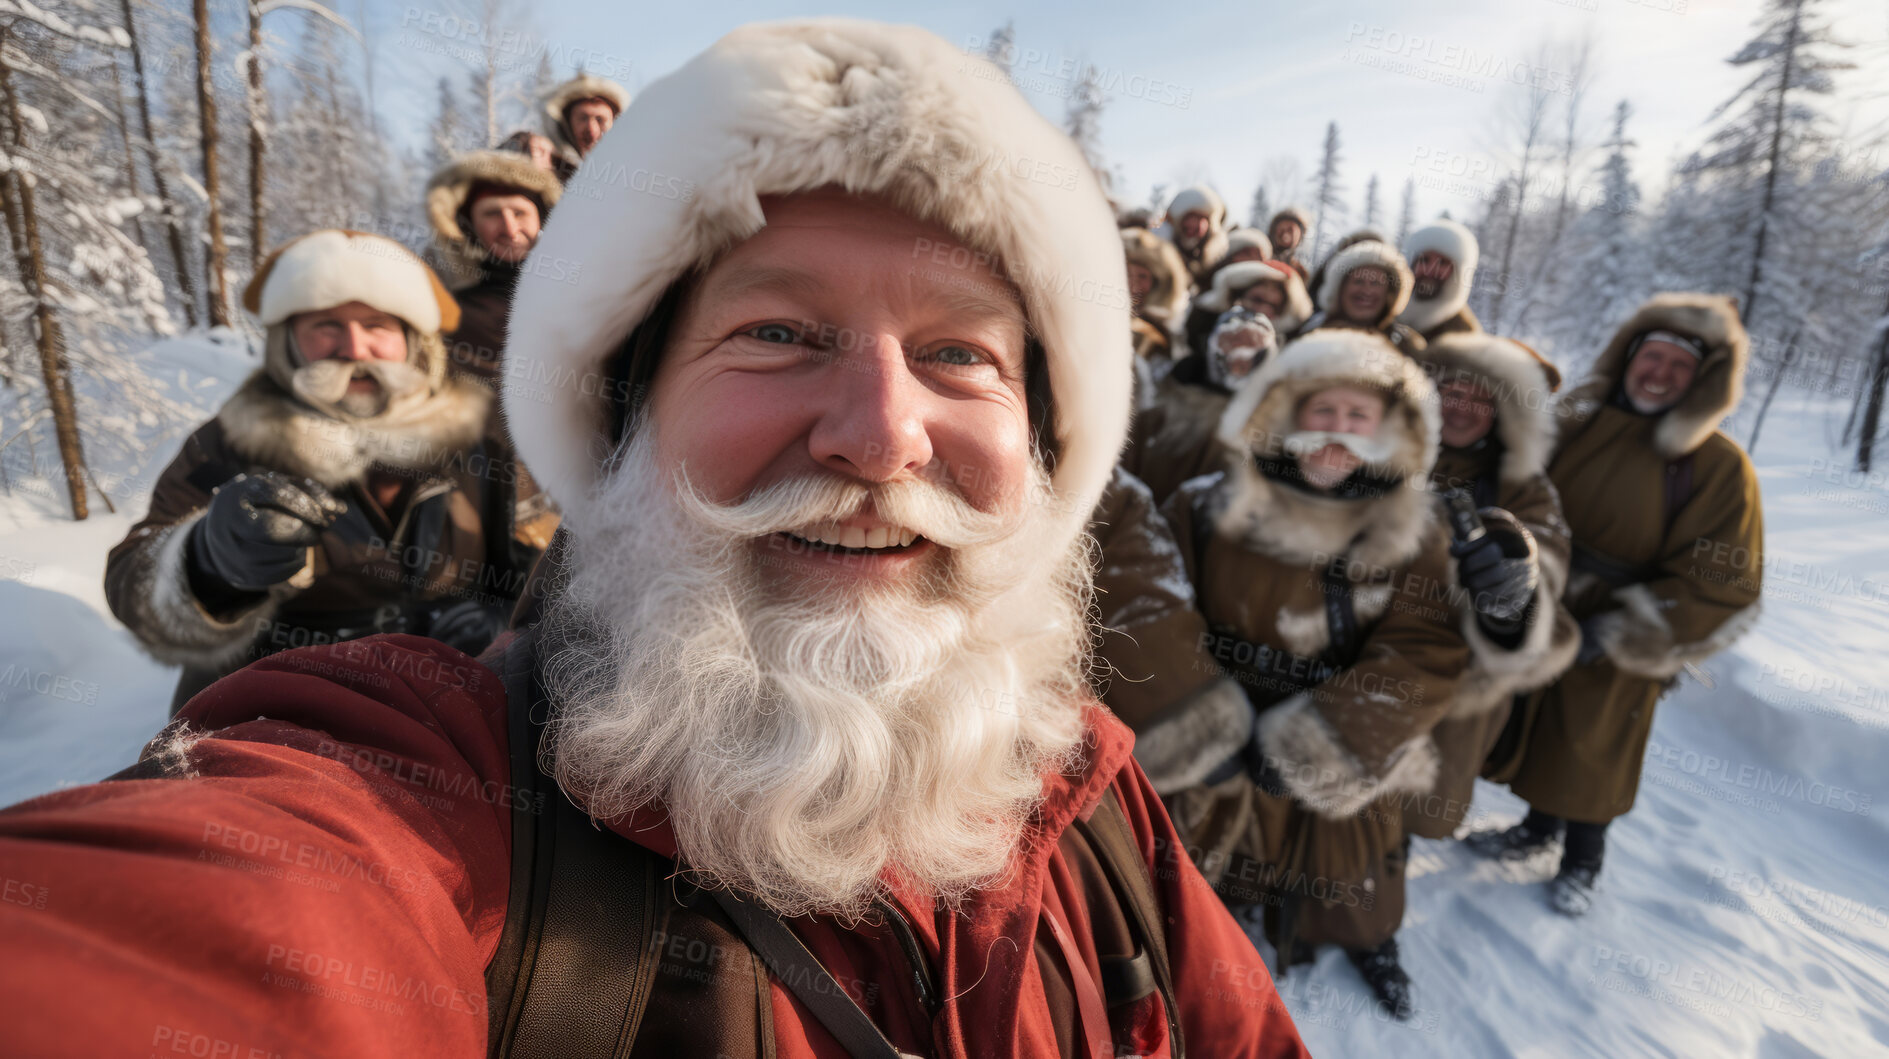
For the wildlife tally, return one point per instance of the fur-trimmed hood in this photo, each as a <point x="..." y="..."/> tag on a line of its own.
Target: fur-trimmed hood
<point x="1716" y="389"/>
<point x="1249" y="239"/>
<point x="787" y="107"/>
<point x="1165" y="300"/>
<point x="1231" y="281"/>
<point x="1457" y="243"/>
<point x="1372" y="253"/>
<point x="266" y="424"/>
<point x="1523" y="384"/>
<point x="1201" y="198"/>
<point x="446" y="204"/>
<point x="1295" y="524"/>
<point x="581" y="87"/>
<point x="1291" y="213"/>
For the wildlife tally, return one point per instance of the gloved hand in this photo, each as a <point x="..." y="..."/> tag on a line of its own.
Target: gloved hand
<point x="469" y="625"/>
<point x="257" y="531"/>
<point x="1501" y="572"/>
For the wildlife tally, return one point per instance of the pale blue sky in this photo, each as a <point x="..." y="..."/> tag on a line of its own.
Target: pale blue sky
<point x="1418" y="89"/>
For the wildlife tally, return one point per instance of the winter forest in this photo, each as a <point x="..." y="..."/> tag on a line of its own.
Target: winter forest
<point x="153" y="152"/>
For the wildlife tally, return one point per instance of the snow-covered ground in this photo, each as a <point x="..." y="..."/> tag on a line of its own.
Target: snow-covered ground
<point x="1744" y="909"/>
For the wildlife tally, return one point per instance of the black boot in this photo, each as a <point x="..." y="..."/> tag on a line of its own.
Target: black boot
<point x="1386" y="977"/>
<point x="1534" y="834"/>
<point x="1572" y="891"/>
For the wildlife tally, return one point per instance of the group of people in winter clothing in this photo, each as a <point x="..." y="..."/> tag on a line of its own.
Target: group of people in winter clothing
<point x="1407" y="561"/>
<point x="788" y="568"/>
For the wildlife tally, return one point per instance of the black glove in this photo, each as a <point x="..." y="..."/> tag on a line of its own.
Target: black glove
<point x="469" y="625"/>
<point x="1501" y="573"/>
<point x="257" y="531"/>
<point x="1591" y="651"/>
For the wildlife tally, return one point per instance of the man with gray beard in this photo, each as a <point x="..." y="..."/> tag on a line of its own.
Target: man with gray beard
<point x="340" y="492"/>
<point x="795" y="755"/>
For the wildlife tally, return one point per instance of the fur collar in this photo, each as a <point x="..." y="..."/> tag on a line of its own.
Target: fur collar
<point x="266" y="425"/>
<point x="1457" y="243"/>
<point x="1716" y="388"/>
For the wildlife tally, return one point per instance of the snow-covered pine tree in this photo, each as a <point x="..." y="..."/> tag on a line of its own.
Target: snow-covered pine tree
<point x="1330" y="192"/>
<point x="1407" y="216"/>
<point x="1772" y="128"/>
<point x="1261" y="210"/>
<point x="1607" y="261"/>
<point x="1002" y="47"/>
<point x="1082" y="120"/>
<point x="1373" y="208"/>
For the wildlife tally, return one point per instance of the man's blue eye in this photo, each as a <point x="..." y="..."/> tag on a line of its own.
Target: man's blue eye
<point x="957" y="355"/>
<point x="776" y="334"/>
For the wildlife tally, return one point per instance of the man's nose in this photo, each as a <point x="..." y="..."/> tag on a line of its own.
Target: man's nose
<point x="354" y="344"/>
<point x="873" y="419"/>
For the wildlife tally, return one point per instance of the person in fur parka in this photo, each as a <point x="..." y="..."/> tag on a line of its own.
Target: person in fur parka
<point x="1324" y="574"/>
<point x="1157" y="285"/>
<point x="1197" y="223"/>
<point x="575" y="118"/>
<point x="503" y="192"/>
<point x="1442" y="258"/>
<point x="1668" y="536"/>
<point x="342" y="491"/>
<point x="486" y="209"/>
<point x="1365" y="286"/>
<point x="1498" y="426"/>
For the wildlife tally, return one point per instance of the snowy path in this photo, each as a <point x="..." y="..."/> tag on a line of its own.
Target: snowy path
<point x="1744" y="910"/>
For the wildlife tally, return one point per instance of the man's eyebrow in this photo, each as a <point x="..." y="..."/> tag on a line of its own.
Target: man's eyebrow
<point x="975" y="302"/>
<point x="772" y="279"/>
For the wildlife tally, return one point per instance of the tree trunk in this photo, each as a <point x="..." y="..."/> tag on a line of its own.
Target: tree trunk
<point x="32" y="263"/>
<point x="1872" y="412"/>
<point x="172" y="217"/>
<point x="258" y="111"/>
<point x="131" y="159"/>
<point x="1771" y="167"/>
<point x="1790" y="354"/>
<point x="1515" y="228"/>
<point x="218" y="252"/>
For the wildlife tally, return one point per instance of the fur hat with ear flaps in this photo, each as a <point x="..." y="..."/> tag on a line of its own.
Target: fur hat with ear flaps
<point x="1231" y="281"/>
<point x="1717" y="386"/>
<point x="1522" y="383"/>
<point x="446" y="204"/>
<point x="1370" y="253"/>
<point x="1165" y="300"/>
<point x="1296" y="524"/>
<point x="1457" y="243"/>
<point x="576" y="90"/>
<point x="265" y="422"/>
<point x="786" y="107"/>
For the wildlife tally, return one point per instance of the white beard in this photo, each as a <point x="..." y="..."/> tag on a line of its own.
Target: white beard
<point x="806" y="747"/>
<point x="1373" y="449"/>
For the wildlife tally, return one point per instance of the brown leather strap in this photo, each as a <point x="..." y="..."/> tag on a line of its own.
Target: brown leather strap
<point x="1119" y="852"/>
<point x="575" y="962"/>
<point x="1091" y="1008"/>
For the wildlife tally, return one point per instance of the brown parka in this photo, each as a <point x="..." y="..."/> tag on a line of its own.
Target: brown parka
<point x="1668" y="535"/>
<point x="1346" y="726"/>
<point x="1506" y="469"/>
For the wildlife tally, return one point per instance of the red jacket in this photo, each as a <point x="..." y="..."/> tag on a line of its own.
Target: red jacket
<point x="325" y="873"/>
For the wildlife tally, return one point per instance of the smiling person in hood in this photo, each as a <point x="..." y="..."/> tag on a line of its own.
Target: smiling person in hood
<point x="796" y="755"/>
<point x="340" y="491"/>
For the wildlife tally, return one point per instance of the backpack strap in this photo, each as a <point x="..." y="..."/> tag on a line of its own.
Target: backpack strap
<point x="574" y="965"/>
<point x="1679" y="487"/>
<point x="1117" y="850"/>
<point x="789" y="959"/>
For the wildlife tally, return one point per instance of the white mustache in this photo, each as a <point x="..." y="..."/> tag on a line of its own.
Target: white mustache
<point x="325" y="382"/>
<point x="1372" y="449"/>
<point x="929" y="510"/>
